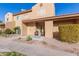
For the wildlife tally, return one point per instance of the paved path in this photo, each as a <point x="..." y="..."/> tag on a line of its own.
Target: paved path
<point x="30" y="49"/>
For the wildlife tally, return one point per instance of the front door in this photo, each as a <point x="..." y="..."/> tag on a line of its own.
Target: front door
<point x="40" y="28"/>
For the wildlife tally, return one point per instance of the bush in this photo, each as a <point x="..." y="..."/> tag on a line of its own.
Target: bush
<point x="11" y="54"/>
<point x="29" y="38"/>
<point x="44" y="42"/>
<point x="69" y="33"/>
<point x="8" y="31"/>
<point x="1" y="32"/>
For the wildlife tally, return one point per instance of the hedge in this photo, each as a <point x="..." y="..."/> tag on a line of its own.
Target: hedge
<point x="69" y="33"/>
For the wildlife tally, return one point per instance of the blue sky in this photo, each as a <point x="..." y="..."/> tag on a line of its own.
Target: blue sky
<point x="60" y="8"/>
<point x="66" y="8"/>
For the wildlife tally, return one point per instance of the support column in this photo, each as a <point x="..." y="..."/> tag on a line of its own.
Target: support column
<point x="49" y="29"/>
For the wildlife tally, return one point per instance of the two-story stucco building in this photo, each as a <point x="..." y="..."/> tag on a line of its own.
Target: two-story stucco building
<point x="40" y="10"/>
<point x="42" y="18"/>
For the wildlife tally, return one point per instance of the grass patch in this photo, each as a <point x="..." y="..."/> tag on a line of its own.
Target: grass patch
<point x="11" y="54"/>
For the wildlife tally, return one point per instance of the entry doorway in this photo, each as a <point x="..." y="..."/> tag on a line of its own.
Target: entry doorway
<point x="40" y="27"/>
<point x="17" y="30"/>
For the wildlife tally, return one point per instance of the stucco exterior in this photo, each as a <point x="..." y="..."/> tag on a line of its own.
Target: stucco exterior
<point x="9" y="21"/>
<point x="49" y="29"/>
<point x="41" y="17"/>
<point x="39" y="10"/>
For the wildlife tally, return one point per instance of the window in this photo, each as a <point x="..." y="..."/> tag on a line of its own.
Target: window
<point x="7" y="19"/>
<point x="17" y="17"/>
<point x="41" y="5"/>
<point x="42" y="11"/>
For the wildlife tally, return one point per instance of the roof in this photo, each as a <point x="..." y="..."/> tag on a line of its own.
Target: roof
<point x="26" y="11"/>
<point x="55" y="18"/>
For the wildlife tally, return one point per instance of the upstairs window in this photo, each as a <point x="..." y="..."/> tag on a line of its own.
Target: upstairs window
<point x="7" y="19"/>
<point x="41" y="4"/>
<point x="17" y="17"/>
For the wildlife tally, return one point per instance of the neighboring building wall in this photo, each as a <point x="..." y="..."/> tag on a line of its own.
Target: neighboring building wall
<point x="10" y="25"/>
<point x="9" y="21"/>
<point x="9" y="17"/>
<point x="24" y="16"/>
<point x="2" y="27"/>
<point x="18" y="19"/>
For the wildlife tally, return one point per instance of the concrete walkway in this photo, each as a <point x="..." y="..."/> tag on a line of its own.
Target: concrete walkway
<point x="30" y="49"/>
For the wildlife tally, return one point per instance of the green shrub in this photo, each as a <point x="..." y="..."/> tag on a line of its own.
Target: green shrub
<point x="69" y="33"/>
<point x="8" y="31"/>
<point x="1" y="32"/>
<point x="8" y="53"/>
<point x="44" y="42"/>
<point x="28" y="38"/>
<point x="11" y="54"/>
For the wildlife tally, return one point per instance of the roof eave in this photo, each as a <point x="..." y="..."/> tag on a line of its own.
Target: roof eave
<point x="27" y="11"/>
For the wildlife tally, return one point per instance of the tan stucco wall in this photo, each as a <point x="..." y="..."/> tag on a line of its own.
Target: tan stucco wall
<point x="49" y="29"/>
<point x="10" y="25"/>
<point x="9" y="16"/>
<point x="2" y="27"/>
<point x="46" y="10"/>
<point x="24" y="16"/>
<point x="24" y="29"/>
<point x="31" y="28"/>
<point x="28" y="29"/>
<point x="9" y="21"/>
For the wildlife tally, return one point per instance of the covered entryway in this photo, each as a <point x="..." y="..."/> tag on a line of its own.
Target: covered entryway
<point x="33" y="28"/>
<point x="40" y="27"/>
